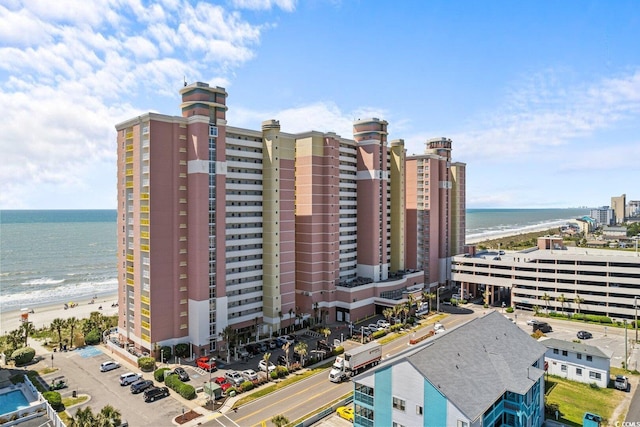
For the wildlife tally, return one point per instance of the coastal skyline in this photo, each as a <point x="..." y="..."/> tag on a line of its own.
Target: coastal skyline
<point x="541" y="100"/>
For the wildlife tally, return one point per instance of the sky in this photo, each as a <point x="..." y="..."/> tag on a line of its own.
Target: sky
<point x="540" y="98"/>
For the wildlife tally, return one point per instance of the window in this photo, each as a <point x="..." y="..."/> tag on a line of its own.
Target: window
<point x="589" y="358"/>
<point x="555" y="351"/>
<point x="418" y="410"/>
<point x="564" y="352"/>
<point x="462" y="423"/>
<point x="398" y="403"/>
<point x="579" y="355"/>
<point x="563" y="368"/>
<point x="395" y="424"/>
<point x="579" y="371"/>
<point x="594" y="375"/>
<point x="213" y="131"/>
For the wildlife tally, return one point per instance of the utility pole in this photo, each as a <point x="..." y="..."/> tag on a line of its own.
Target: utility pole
<point x="635" y="306"/>
<point x="625" y="345"/>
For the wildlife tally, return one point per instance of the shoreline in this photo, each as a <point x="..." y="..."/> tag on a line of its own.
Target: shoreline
<point x="509" y="233"/>
<point x="44" y="314"/>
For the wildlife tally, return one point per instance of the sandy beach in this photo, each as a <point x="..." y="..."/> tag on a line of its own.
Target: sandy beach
<point x="508" y="233"/>
<point x="43" y="315"/>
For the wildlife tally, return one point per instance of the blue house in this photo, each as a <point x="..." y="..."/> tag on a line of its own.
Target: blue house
<point x="484" y="373"/>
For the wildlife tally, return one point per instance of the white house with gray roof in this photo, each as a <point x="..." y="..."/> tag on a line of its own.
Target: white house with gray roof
<point x="485" y="372"/>
<point x="577" y="361"/>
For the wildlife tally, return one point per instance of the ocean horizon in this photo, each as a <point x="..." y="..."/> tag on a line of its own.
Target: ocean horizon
<point x="51" y="256"/>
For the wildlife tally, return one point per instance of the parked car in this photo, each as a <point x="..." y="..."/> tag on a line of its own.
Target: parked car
<point x="129" y="378"/>
<point x="374" y="327"/>
<point x="263" y="346"/>
<point x="282" y="360"/>
<point x="108" y="366"/>
<point x="250" y="375"/>
<point x="383" y="324"/>
<point x="438" y="326"/>
<point x="584" y="335"/>
<point x="181" y="373"/>
<point x="206" y="363"/>
<point x="273" y="344"/>
<point x="532" y="322"/>
<point x="140" y="386"/>
<point x="542" y="327"/>
<point x="234" y="378"/>
<point x="244" y="354"/>
<point x="262" y="365"/>
<point x="621" y="383"/>
<point x="253" y="349"/>
<point x="345" y="412"/>
<point x="155" y="393"/>
<point x="223" y="383"/>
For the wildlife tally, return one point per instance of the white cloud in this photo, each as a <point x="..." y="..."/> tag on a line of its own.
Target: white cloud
<point x="85" y="66"/>
<point x="286" y="5"/>
<point x="545" y="112"/>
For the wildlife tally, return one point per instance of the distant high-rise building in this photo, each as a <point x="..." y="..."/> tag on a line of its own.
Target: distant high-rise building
<point x="619" y="204"/>
<point x="224" y="231"/>
<point x="602" y="215"/>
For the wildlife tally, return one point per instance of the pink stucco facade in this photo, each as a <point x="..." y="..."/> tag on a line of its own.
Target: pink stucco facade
<point x="222" y="227"/>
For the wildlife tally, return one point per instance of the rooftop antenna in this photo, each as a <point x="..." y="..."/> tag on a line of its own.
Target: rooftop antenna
<point x="185" y="80"/>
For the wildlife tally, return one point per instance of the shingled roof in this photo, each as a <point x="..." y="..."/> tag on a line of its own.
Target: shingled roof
<point x="478" y="362"/>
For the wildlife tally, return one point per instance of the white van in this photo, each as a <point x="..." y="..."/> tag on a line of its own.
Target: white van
<point x="129" y="378"/>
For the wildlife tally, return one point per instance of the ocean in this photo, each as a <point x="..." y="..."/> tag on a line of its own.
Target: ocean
<point x="51" y="256"/>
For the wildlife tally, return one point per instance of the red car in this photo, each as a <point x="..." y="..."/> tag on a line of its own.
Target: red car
<point x="206" y="363"/>
<point x="223" y="383"/>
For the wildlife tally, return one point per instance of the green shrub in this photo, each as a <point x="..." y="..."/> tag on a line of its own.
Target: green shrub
<point x="172" y="381"/>
<point x="246" y="386"/>
<point x="93" y="337"/>
<point x="282" y="371"/>
<point x="274" y="375"/>
<point x="182" y="350"/>
<point x="597" y="319"/>
<point x="187" y="391"/>
<point x="396" y="327"/>
<point x="378" y="334"/>
<point x="509" y="309"/>
<point x="165" y="352"/>
<point x="54" y="398"/>
<point x="146" y="364"/>
<point x="158" y="374"/>
<point x="24" y="355"/>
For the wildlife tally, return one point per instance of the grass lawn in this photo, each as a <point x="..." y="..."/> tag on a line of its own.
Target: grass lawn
<point x="574" y="399"/>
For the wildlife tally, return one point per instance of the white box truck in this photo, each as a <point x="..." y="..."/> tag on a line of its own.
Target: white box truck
<point x="354" y="361"/>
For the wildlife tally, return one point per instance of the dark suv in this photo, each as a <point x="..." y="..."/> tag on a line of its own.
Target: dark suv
<point x="542" y="327"/>
<point x="154" y="393"/>
<point x="140" y="386"/>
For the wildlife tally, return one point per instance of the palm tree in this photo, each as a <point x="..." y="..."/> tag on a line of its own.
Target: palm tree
<point x="266" y="358"/>
<point x="14" y="339"/>
<point x="109" y="417"/>
<point x="301" y="349"/>
<point x="578" y="301"/>
<point x="388" y="314"/>
<point x="56" y="325"/>
<point x="410" y="301"/>
<point x="229" y="336"/>
<point x="561" y="299"/>
<point x="285" y="347"/>
<point x="536" y="309"/>
<point x="83" y="418"/>
<point x="432" y="298"/>
<point x="405" y="312"/>
<point x="546" y="299"/>
<point x="279" y="420"/>
<point x="397" y="310"/>
<point x="27" y="329"/>
<point x="72" y="324"/>
<point x="326" y="332"/>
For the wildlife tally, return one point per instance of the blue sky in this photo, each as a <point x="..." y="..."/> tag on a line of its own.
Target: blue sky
<point x="540" y="98"/>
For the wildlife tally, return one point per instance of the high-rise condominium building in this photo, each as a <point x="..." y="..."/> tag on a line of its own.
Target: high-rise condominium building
<point x="619" y="204"/>
<point x="227" y="229"/>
